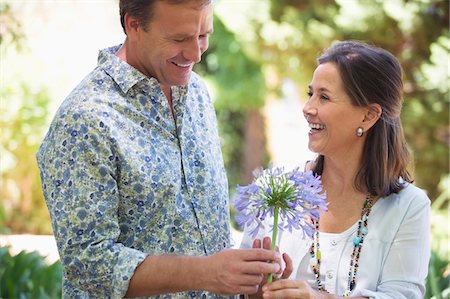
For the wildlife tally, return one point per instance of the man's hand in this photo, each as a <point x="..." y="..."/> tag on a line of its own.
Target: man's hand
<point x="239" y="271"/>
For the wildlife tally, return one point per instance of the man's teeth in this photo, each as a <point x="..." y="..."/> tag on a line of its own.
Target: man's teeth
<point x="182" y="65"/>
<point x="316" y="126"/>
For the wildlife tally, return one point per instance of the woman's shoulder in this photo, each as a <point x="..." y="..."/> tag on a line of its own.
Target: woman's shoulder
<point x="411" y="199"/>
<point x="412" y="194"/>
<point x="410" y="207"/>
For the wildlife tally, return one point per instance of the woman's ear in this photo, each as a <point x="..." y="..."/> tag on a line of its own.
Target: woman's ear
<point x="372" y="115"/>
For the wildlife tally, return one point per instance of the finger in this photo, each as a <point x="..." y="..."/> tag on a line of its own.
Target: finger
<point x="249" y="279"/>
<point x="257" y="254"/>
<point x="278" y="260"/>
<point x="256" y="243"/>
<point x="252" y="289"/>
<point x="289" y="268"/>
<point x="281" y="284"/>
<point x="259" y="267"/>
<point x="284" y="293"/>
<point x="267" y="243"/>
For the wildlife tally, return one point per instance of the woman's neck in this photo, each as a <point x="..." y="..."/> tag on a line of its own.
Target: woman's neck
<point x="345" y="201"/>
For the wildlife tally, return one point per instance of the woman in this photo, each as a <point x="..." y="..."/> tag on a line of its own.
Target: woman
<point x="373" y="241"/>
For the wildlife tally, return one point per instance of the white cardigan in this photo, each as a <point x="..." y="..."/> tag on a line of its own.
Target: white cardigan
<point x="394" y="257"/>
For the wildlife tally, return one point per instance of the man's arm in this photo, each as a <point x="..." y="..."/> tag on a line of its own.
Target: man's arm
<point x="230" y="271"/>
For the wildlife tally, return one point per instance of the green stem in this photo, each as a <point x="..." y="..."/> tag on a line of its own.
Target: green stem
<point x="274" y="237"/>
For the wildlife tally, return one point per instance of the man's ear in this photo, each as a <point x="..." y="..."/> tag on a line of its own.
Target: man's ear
<point x="132" y="26"/>
<point x="372" y="115"/>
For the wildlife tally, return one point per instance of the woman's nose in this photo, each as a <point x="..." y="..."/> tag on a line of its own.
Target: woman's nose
<point x="308" y="108"/>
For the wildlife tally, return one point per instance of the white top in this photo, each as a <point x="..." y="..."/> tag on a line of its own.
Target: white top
<point x="394" y="257"/>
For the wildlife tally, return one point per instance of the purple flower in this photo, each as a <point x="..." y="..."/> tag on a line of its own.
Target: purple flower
<point x="293" y="198"/>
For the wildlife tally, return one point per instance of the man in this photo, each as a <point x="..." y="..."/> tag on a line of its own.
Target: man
<point x="132" y="170"/>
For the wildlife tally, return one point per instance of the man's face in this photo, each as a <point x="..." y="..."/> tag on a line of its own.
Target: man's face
<point x="173" y="41"/>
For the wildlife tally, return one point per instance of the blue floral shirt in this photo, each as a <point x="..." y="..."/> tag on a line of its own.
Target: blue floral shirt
<point x="124" y="179"/>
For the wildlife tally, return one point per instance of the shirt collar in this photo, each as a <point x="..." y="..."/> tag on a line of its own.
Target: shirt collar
<point x="127" y="76"/>
<point x="121" y="72"/>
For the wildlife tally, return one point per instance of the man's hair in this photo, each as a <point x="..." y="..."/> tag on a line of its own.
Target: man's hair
<point x="373" y="75"/>
<point x="142" y="10"/>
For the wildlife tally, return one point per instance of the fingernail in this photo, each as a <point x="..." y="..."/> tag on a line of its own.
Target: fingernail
<point x="277" y="255"/>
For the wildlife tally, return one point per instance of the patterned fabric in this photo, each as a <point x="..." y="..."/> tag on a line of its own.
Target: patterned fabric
<point x="123" y="180"/>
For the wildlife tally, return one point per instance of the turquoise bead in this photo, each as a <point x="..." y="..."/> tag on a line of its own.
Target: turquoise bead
<point x="356" y="241"/>
<point x="364" y="230"/>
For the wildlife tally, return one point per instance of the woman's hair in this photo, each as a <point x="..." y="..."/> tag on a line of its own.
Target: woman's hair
<point x="143" y="9"/>
<point x="373" y="75"/>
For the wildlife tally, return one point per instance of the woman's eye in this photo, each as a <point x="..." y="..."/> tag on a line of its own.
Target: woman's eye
<point x="309" y="93"/>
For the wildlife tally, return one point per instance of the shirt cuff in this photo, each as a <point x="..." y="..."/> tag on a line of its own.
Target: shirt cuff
<point x="129" y="259"/>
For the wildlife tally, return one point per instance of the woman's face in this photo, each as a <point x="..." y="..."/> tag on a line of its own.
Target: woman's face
<point x="332" y="118"/>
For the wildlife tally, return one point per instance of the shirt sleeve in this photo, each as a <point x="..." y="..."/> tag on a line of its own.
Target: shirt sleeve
<point x="79" y="177"/>
<point x="406" y="266"/>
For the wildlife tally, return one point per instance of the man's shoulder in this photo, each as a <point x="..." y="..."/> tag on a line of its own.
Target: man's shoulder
<point x="197" y="81"/>
<point x="198" y="90"/>
<point x="93" y="96"/>
<point x="96" y="86"/>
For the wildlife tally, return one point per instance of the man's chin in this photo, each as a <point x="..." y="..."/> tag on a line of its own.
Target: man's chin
<point x="183" y="81"/>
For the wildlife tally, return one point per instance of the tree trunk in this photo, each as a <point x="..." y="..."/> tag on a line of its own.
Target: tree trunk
<point x="254" y="144"/>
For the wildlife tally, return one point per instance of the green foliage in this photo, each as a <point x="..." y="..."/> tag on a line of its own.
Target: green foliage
<point x="27" y="275"/>
<point x="231" y="126"/>
<point x="438" y="280"/>
<point x="23" y="121"/>
<point x="238" y="82"/>
<point x="237" y="86"/>
<point x="11" y="30"/>
<point x="22" y="125"/>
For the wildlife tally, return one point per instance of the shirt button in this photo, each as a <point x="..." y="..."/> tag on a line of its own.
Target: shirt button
<point x="333" y="242"/>
<point x="330" y="274"/>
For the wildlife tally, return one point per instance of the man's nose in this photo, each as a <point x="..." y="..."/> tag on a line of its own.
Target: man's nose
<point x="193" y="51"/>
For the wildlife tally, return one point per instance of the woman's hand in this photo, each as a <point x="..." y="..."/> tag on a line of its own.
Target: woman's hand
<point x="286" y="288"/>
<point x="282" y="274"/>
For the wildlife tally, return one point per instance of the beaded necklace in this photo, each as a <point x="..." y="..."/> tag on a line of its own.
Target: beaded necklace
<point x="357" y="242"/>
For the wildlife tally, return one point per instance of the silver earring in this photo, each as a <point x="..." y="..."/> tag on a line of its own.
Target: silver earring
<point x="359" y="132"/>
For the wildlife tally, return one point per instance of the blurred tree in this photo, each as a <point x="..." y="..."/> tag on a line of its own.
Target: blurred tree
<point x="11" y="30"/>
<point x="413" y="31"/>
<point x="23" y="207"/>
<point x="238" y="89"/>
<point x="22" y="123"/>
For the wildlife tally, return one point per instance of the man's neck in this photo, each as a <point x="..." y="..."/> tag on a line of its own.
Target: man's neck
<point x="122" y="54"/>
<point x="167" y="91"/>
